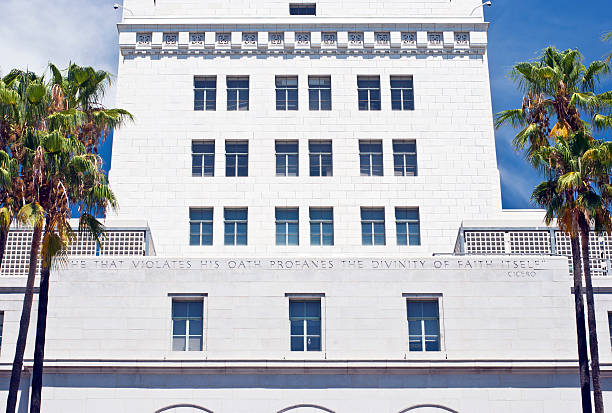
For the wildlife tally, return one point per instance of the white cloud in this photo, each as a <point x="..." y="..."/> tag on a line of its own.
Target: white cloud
<point x="36" y="32"/>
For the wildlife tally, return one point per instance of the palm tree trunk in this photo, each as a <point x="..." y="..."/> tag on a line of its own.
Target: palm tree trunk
<point x="595" y="374"/>
<point x="3" y="240"/>
<point x="24" y="323"/>
<point x="39" y="346"/>
<point x="583" y="357"/>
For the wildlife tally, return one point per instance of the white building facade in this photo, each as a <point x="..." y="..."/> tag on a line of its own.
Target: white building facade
<point x="291" y="193"/>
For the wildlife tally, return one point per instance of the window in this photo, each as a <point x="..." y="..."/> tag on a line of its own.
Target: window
<point x="368" y="92"/>
<point x="609" y="326"/>
<point x="286" y="93"/>
<point x="287" y="163"/>
<point x="187" y="323"/>
<point x="236" y="158"/>
<point x="423" y="325"/>
<point x="1" y="326"/>
<point x="305" y="320"/>
<point x="237" y="93"/>
<point x="235" y="222"/>
<point x="319" y="92"/>
<point x="404" y="158"/>
<point x="200" y="226"/>
<point x="287" y="226"/>
<point x="407" y="226"/>
<point x="205" y="93"/>
<point x="302" y="9"/>
<point x="203" y="158"/>
<point x="320" y="158"/>
<point x="370" y="158"/>
<point x="321" y="226"/>
<point x="372" y="226"/>
<point x="402" y="93"/>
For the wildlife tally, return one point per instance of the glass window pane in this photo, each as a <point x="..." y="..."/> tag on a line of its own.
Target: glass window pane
<point x="432" y="327"/>
<point x="297" y="327"/>
<point x="178" y="343"/>
<point x="195" y="343"/>
<point x="415" y="309"/>
<point x="430" y="309"/>
<point x="297" y="343"/>
<point x="195" y="327"/>
<point x="313" y="309"/>
<point x="432" y="345"/>
<point x="297" y="308"/>
<point x="195" y="309"/>
<point x="416" y="345"/>
<point x="313" y="343"/>
<point x="313" y="327"/>
<point x="179" y="327"/>
<point x="179" y="309"/>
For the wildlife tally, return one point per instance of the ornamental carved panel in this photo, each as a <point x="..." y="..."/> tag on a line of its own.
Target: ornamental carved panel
<point x="355" y="39"/>
<point x="276" y="39"/>
<point x="409" y="39"/>
<point x="435" y="38"/>
<point x="302" y="39"/>
<point x="143" y="39"/>
<point x="170" y="39"/>
<point x="223" y="39"/>
<point x="382" y="39"/>
<point x="196" y="39"/>
<point x="462" y="39"/>
<point x="249" y="39"/>
<point x="329" y="39"/>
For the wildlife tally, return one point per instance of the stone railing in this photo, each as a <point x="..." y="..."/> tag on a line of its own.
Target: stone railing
<point x="140" y="39"/>
<point x="526" y="241"/>
<point x="115" y="242"/>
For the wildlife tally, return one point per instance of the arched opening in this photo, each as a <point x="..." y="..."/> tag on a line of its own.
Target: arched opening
<point x="428" y="408"/>
<point x="306" y="408"/>
<point x="183" y="408"/>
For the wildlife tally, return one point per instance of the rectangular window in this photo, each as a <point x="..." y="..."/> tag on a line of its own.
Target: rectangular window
<point x="287" y="163"/>
<point x="236" y="158"/>
<point x="320" y="158"/>
<point x="235" y="223"/>
<point x="321" y="226"/>
<point x="423" y="325"/>
<point x="237" y="93"/>
<point x="203" y="158"/>
<point x="187" y="325"/>
<point x="371" y="158"/>
<point x="404" y="158"/>
<point x="205" y="93"/>
<point x="302" y="9"/>
<point x="319" y="92"/>
<point x="407" y="226"/>
<point x="402" y="93"/>
<point x="200" y="226"/>
<point x="305" y="320"/>
<point x="287" y="226"/>
<point x="368" y="92"/>
<point x="372" y="226"/>
<point x="286" y="93"/>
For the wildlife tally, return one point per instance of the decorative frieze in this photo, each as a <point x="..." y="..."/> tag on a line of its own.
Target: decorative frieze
<point x="418" y="41"/>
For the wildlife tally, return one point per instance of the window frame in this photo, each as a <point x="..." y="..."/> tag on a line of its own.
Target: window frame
<point x="407" y="222"/>
<point x="318" y="91"/>
<point x="286" y="225"/>
<point x="206" y="92"/>
<point x="283" y="102"/>
<point x="370" y="102"/>
<point x="372" y="224"/>
<point x="235" y="223"/>
<point x="240" y="93"/>
<point x="287" y="157"/>
<point x="321" y="225"/>
<point x="201" y="223"/>
<point x="189" y="298"/>
<point x="426" y="297"/>
<point x="403" y="91"/>
<point x="371" y="157"/>
<point x="405" y="169"/>
<point x="319" y="156"/>
<point x="205" y="158"/>
<point x="237" y="157"/>
<point x="307" y="297"/>
<point x="302" y="6"/>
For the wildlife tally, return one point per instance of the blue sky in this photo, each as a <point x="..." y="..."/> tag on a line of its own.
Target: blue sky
<point x="35" y="32"/>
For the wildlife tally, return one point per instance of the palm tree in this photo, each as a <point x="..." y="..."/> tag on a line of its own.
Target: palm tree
<point x="606" y="37"/>
<point x="559" y="88"/>
<point x="79" y="115"/>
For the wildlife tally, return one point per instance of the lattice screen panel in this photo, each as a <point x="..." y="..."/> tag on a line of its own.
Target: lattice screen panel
<point x="123" y="243"/>
<point x="16" y="261"/>
<point x="84" y="244"/>
<point x="529" y="242"/>
<point x="485" y="242"/>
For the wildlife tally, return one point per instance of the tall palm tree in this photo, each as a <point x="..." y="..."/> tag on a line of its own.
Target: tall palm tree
<point x="558" y="89"/>
<point x="606" y="37"/>
<point x="78" y="114"/>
